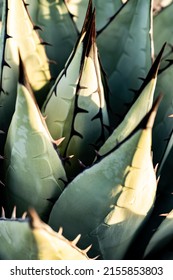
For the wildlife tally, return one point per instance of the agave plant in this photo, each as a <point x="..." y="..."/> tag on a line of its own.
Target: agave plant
<point x="85" y="134"/>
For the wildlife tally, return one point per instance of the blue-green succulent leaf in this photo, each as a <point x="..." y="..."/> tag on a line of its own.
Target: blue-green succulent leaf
<point x="128" y="57"/>
<point x="53" y="245"/>
<point x="108" y="202"/>
<point x="104" y="11"/>
<point x="31" y="47"/>
<point x="138" y="110"/>
<point x="159" y="243"/>
<point x="59" y="31"/>
<point x="17" y="241"/>
<point x="32" y="239"/>
<point x="76" y="107"/>
<point x="34" y="174"/>
<point x="162" y="21"/>
<point x="163" y="124"/>
<point x="9" y="61"/>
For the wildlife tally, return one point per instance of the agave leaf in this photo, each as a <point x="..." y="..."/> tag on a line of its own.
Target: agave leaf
<point x="17" y="241"/>
<point x="164" y="135"/>
<point x="58" y="30"/>
<point x="163" y="125"/>
<point x="163" y="21"/>
<point x="135" y="114"/>
<point x="162" y="154"/>
<point x="77" y="9"/>
<point x="161" y="239"/>
<point x="64" y="88"/>
<point x="162" y="142"/>
<point x="131" y="209"/>
<point x="25" y="34"/>
<point x="31" y="239"/>
<point x="165" y="175"/>
<point x="108" y="202"/>
<point x="76" y="107"/>
<point x="128" y="57"/>
<point x="104" y="11"/>
<point x="52" y="245"/>
<point x="162" y="206"/>
<point x="9" y="61"/>
<point x="29" y="148"/>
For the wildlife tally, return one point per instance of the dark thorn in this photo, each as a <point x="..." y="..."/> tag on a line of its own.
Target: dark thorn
<point x="81" y="110"/>
<point x="97" y="116"/>
<point x="8" y="36"/>
<point x="82" y="87"/>
<point x="6" y="64"/>
<point x="52" y="62"/>
<point x="36" y="27"/>
<point x="76" y="133"/>
<point x="133" y="90"/>
<point x="141" y="78"/>
<point x="46" y="44"/>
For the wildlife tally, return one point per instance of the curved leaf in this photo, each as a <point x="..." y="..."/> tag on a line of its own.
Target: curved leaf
<point x="76" y="107"/>
<point x="34" y="56"/>
<point x="52" y="245"/>
<point x="163" y="33"/>
<point x="161" y="22"/>
<point x="108" y="202"/>
<point x="34" y="174"/>
<point x="128" y="57"/>
<point x="135" y="114"/>
<point x="59" y="31"/>
<point x="163" y="124"/>
<point x="104" y="11"/>
<point x="161" y="239"/>
<point x="17" y="241"/>
<point x="31" y="239"/>
<point x="9" y="61"/>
